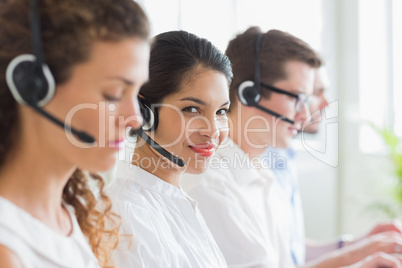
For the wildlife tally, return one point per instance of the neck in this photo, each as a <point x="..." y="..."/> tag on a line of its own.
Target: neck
<point x="245" y="138"/>
<point x="33" y="179"/>
<point x="149" y="160"/>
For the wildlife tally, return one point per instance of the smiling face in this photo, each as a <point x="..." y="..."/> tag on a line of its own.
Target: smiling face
<point x="300" y="79"/>
<point x="100" y="98"/>
<point x="193" y="121"/>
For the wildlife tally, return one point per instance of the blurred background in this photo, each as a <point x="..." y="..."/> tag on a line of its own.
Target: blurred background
<point x="345" y="170"/>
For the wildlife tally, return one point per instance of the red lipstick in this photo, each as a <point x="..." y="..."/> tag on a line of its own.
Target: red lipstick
<point x="204" y="149"/>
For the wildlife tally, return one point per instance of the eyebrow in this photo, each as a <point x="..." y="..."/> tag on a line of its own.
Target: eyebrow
<point x="200" y="101"/>
<point x="124" y="80"/>
<point x="226" y="103"/>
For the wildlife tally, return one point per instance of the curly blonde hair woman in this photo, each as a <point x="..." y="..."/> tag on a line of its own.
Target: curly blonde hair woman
<point x="98" y="53"/>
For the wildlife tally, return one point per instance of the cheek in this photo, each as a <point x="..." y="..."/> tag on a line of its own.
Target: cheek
<point x="223" y="127"/>
<point x="288" y="108"/>
<point x="86" y="117"/>
<point x="281" y="104"/>
<point x="170" y="128"/>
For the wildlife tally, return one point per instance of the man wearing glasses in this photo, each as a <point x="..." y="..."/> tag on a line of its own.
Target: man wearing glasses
<point x="382" y="237"/>
<point x="286" y="184"/>
<point x="273" y="78"/>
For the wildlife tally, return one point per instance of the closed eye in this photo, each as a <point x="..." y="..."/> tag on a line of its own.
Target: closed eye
<point x="111" y="98"/>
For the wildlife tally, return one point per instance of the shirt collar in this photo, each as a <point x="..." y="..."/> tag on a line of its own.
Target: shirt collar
<point x="149" y="181"/>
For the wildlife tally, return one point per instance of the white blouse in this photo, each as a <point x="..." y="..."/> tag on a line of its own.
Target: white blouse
<point x="234" y="196"/>
<point x="37" y="245"/>
<point x="166" y="225"/>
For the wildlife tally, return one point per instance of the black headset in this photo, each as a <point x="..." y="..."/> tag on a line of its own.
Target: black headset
<point x="31" y="81"/>
<point x="28" y="77"/>
<point x="249" y="92"/>
<point x="149" y="115"/>
<point x="150" y="123"/>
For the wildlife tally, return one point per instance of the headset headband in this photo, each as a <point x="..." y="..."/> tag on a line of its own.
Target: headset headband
<point x="36" y="35"/>
<point x="257" y="72"/>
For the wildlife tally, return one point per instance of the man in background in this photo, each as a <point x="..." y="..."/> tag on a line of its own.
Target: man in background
<point x="273" y="77"/>
<point x="288" y="200"/>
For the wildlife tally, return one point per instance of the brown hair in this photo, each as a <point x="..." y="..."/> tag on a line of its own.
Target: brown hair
<point x="68" y="29"/>
<point x="277" y="48"/>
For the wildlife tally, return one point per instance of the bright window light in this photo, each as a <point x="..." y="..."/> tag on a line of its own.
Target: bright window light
<point x="397" y="66"/>
<point x="375" y="71"/>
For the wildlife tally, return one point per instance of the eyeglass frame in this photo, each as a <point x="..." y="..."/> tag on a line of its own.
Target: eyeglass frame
<point x="299" y="97"/>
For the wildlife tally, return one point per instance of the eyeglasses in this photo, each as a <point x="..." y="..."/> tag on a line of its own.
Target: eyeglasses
<point x="301" y="98"/>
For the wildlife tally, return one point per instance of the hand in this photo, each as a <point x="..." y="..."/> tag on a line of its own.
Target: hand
<point x="387" y="242"/>
<point x="378" y="260"/>
<point x="394" y="226"/>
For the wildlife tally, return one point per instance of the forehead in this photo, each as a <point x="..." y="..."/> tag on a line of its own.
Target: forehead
<point x="126" y="59"/>
<point x="204" y="83"/>
<point x="321" y="79"/>
<point x="119" y="54"/>
<point x="299" y="77"/>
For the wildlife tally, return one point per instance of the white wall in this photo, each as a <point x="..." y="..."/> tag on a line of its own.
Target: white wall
<point x="356" y="56"/>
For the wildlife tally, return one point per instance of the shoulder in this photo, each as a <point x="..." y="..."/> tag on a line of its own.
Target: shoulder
<point x="214" y="191"/>
<point x="123" y="190"/>
<point x="8" y="258"/>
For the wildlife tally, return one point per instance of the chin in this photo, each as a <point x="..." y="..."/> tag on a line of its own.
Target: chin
<point x="196" y="164"/>
<point x="102" y="165"/>
<point x="312" y="129"/>
<point x="284" y="144"/>
<point x="195" y="171"/>
<point x="197" y="168"/>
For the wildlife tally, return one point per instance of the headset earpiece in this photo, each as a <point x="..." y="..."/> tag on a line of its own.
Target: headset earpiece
<point x="149" y="115"/>
<point x="28" y="83"/>
<point x="248" y="93"/>
<point x="28" y="77"/>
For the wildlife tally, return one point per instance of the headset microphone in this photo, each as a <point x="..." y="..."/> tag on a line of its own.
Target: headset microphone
<point x="249" y="92"/>
<point x="30" y="81"/>
<point x="83" y="136"/>
<point x="176" y="160"/>
<point x="150" y="117"/>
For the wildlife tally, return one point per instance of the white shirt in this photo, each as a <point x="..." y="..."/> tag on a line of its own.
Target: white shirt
<point x="289" y="203"/>
<point x="167" y="227"/>
<point x="37" y="245"/>
<point x="234" y="198"/>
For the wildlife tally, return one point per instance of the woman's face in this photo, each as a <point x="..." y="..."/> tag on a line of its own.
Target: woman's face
<point x="100" y="98"/>
<point x="193" y="122"/>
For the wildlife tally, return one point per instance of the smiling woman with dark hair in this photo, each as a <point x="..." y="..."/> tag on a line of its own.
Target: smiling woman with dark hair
<point x="188" y="92"/>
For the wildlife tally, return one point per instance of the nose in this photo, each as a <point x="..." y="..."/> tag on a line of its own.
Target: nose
<point x="211" y="127"/>
<point x="304" y="113"/>
<point x="131" y="114"/>
<point x="323" y="102"/>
